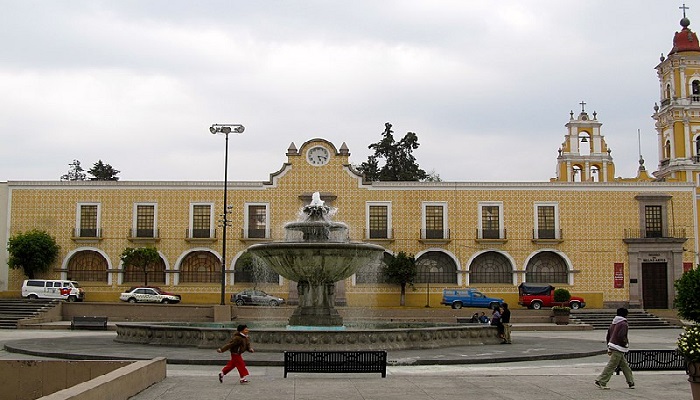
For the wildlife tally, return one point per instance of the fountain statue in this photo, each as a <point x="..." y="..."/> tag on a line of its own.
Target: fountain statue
<point x="316" y="253"/>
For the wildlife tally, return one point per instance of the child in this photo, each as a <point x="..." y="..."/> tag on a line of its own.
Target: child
<point x="238" y="344"/>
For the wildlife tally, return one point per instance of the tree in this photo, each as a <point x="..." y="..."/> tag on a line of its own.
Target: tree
<point x="399" y="162"/>
<point x="33" y="252"/>
<point x="141" y="258"/>
<point x="687" y="300"/>
<point x="103" y="172"/>
<point x="75" y="172"/>
<point x="401" y="270"/>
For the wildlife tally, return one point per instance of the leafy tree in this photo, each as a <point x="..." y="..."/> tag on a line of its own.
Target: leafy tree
<point x="75" y="172"/>
<point x="103" y="172"/>
<point x="401" y="270"/>
<point x="687" y="299"/>
<point x="141" y="257"/>
<point x="399" y="164"/>
<point x="33" y="251"/>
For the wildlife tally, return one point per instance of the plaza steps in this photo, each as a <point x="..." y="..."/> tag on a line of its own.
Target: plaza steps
<point x="601" y="319"/>
<point x="13" y="310"/>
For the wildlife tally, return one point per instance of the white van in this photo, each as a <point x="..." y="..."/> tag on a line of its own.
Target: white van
<point x="52" y="289"/>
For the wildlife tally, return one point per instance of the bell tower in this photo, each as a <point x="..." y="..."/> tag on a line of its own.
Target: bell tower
<point x="678" y="116"/>
<point x="584" y="156"/>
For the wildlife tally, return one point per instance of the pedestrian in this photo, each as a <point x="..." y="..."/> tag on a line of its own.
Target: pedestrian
<point x="505" y="320"/>
<point x="618" y="346"/>
<point x="483" y="318"/>
<point x="238" y="344"/>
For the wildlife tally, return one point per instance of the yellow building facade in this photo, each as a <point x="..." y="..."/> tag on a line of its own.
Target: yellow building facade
<point x="612" y="241"/>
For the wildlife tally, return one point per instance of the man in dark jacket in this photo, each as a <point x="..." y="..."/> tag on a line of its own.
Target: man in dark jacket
<point x="505" y="320"/>
<point x="618" y="345"/>
<point x="238" y="344"/>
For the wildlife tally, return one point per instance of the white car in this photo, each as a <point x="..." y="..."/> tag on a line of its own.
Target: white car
<point x="149" y="295"/>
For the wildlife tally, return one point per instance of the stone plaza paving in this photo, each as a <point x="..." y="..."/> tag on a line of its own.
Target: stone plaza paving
<point x="539" y="364"/>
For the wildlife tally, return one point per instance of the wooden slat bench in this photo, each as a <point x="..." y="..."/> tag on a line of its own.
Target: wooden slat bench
<point x="654" y="360"/>
<point x="89" y="322"/>
<point x="335" y="362"/>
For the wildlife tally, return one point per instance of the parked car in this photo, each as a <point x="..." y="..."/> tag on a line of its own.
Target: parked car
<point x="149" y="294"/>
<point x="458" y="298"/>
<point x="256" y="297"/>
<point x="537" y="296"/>
<point x="52" y="289"/>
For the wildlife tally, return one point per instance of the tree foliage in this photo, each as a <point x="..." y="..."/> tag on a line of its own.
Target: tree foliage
<point x="141" y="258"/>
<point x="33" y="252"/>
<point x="687" y="300"/>
<point x="398" y="162"/>
<point x="401" y="270"/>
<point x="75" y="172"/>
<point x="103" y="172"/>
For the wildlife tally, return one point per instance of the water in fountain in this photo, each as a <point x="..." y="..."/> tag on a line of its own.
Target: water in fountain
<point x="316" y="253"/>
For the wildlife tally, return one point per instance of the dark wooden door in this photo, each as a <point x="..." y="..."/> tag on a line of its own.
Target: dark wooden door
<point x="655" y="285"/>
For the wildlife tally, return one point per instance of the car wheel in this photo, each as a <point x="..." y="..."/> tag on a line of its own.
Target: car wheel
<point x="72" y="299"/>
<point x="457" y="305"/>
<point x="32" y="297"/>
<point x="274" y="303"/>
<point x="165" y="301"/>
<point x="536" y="305"/>
<point x="132" y="300"/>
<point x="575" y="305"/>
<point x="240" y="302"/>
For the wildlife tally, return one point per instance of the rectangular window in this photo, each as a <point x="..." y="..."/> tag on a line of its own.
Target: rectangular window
<point x="546" y="222"/>
<point x="256" y="221"/>
<point x="490" y="220"/>
<point x="88" y="221"/>
<point x="378" y="221"/>
<point x="435" y="221"/>
<point x="145" y="221"/>
<point x="653" y="221"/>
<point x="201" y="224"/>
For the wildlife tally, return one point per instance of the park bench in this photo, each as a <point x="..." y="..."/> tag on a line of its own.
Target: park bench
<point x="335" y="362"/>
<point x="89" y="322"/>
<point x="654" y="360"/>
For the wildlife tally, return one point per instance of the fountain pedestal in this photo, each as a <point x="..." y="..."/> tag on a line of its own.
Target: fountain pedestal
<point x="316" y="306"/>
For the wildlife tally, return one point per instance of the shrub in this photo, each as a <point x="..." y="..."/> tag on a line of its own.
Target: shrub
<point x="561" y="295"/>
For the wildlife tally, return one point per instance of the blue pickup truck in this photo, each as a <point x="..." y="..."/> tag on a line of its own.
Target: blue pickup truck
<point x="458" y="298"/>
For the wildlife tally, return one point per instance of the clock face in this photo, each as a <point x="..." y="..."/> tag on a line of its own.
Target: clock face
<point x="318" y="155"/>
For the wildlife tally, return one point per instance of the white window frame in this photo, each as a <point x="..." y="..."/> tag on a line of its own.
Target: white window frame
<point x="536" y="205"/>
<point x="389" y="227"/>
<point x="445" y="226"/>
<point x="212" y="225"/>
<point x="78" y="216"/>
<point x="134" y="222"/>
<point x="480" y="222"/>
<point x="246" y="212"/>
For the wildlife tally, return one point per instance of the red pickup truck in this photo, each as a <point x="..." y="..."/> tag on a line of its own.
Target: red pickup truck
<point x="537" y="296"/>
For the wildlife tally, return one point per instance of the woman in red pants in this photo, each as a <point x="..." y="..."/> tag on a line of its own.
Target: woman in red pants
<point x="238" y="344"/>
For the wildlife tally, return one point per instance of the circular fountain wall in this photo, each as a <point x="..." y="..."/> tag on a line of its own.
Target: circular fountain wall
<point x="380" y="337"/>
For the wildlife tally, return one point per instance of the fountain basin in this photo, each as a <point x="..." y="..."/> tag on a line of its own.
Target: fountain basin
<point x="400" y="336"/>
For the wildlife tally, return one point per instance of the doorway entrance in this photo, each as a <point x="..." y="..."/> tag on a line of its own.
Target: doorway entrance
<point x="654" y="285"/>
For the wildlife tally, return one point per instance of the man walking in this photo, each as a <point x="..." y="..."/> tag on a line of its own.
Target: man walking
<point x="238" y="344"/>
<point x="618" y="345"/>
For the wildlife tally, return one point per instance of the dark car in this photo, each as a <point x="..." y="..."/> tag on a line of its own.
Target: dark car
<point x="255" y="297"/>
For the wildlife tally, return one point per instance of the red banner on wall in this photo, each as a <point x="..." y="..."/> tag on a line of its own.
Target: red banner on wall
<point x="619" y="275"/>
<point x="687" y="266"/>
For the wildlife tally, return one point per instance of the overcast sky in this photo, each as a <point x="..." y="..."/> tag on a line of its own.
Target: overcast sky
<point x="486" y="85"/>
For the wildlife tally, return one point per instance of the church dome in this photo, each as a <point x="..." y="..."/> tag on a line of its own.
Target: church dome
<point x="685" y="40"/>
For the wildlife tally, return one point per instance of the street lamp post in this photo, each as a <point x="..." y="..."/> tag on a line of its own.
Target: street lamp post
<point x="225" y="222"/>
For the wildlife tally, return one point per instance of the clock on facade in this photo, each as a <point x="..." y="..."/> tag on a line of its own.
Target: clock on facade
<point x="318" y="155"/>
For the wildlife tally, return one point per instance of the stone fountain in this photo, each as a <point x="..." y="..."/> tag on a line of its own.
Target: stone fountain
<point x="316" y="253"/>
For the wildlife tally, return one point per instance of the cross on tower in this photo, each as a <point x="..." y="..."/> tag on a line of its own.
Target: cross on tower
<point x="683" y="7"/>
<point x="583" y="106"/>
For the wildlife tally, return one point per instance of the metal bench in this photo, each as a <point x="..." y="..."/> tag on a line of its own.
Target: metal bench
<point x="89" y="322"/>
<point x="335" y="362"/>
<point x="654" y="360"/>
